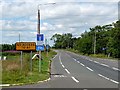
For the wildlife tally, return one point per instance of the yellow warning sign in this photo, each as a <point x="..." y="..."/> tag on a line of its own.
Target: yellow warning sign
<point x="25" y="46"/>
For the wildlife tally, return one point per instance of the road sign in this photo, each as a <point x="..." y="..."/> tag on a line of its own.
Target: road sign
<point x="40" y="47"/>
<point x="40" y="42"/>
<point x="25" y="46"/>
<point x="40" y="37"/>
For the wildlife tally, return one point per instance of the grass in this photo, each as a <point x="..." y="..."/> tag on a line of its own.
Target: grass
<point x="93" y="55"/>
<point x="12" y="74"/>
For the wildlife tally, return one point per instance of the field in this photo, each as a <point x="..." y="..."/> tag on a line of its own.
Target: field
<point x="13" y="74"/>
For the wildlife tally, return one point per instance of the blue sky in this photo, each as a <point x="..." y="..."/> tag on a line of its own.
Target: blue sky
<point x="68" y="16"/>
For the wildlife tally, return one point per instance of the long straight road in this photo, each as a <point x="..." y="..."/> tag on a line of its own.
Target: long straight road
<point x="69" y="70"/>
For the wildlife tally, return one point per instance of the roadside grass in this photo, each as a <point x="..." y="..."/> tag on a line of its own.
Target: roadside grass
<point x="12" y="74"/>
<point x="93" y="55"/>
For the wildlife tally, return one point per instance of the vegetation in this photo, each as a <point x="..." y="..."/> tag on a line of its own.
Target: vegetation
<point x="12" y="74"/>
<point x="102" y="40"/>
<point x="6" y="47"/>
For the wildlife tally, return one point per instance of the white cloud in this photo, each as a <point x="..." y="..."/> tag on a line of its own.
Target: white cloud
<point x="59" y="26"/>
<point x="69" y="17"/>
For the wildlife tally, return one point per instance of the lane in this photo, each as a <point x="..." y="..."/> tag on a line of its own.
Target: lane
<point x="99" y="68"/>
<point x="86" y="76"/>
<point x="110" y="63"/>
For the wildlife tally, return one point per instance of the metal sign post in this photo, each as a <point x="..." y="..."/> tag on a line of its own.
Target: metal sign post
<point x="21" y="60"/>
<point x="40" y="47"/>
<point x="39" y="61"/>
<point x="25" y="46"/>
<point x="31" y="61"/>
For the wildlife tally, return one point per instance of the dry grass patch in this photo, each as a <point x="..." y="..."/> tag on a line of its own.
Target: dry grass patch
<point x="12" y="67"/>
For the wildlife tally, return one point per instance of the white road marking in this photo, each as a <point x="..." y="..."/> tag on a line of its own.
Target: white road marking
<point x="104" y="65"/>
<point x="63" y="66"/>
<point x="78" y="61"/>
<point x="60" y="60"/>
<point x="68" y="55"/>
<point x="67" y="71"/>
<point x="75" y="79"/>
<point x="60" y="76"/>
<point x="96" y="62"/>
<point x="55" y="56"/>
<point x="4" y="85"/>
<point x="104" y="77"/>
<point x="90" y="60"/>
<point x="108" y="79"/>
<point x="74" y="59"/>
<point x="82" y="64"/>
<point x="114" y="81"/>
<point x="89" y="69"/>
<point x="115" y="68"/>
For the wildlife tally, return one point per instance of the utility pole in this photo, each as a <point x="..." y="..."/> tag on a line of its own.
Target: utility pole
<point x="95" y="43"/>
<point x="38" y="21"/>
<point x="39" y="33"/>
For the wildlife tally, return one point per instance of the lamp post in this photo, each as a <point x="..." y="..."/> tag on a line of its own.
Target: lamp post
<point x="38" y="31"/>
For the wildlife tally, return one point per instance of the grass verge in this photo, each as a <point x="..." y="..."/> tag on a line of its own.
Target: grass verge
<point x="92" y="55"/>
<point x="12" y="74"/>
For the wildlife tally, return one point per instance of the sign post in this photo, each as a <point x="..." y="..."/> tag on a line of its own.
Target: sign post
<point x="31" y="61"/>
<point x="21" y="59"/>
<point x="25" y="46"/>
<point x="40" y="47"/>
<point x="39" y="61"/>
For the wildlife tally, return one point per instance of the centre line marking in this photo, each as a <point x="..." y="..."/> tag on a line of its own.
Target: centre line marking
<point x="90" y="60"/>
<point x="82" y="64"/>
<point x="74" y="59"/>
<point x="115" y="68"/>
<point x="109" y="79"/>
<point x="114" y="81"/>
<point x="63" y="66"/>
<point x="104" y="65"/>
<point x="96" y="62"/>
<point x="89" y="69"/>
<point x="55" y="56"/>
<point x="104" y="77"/>
<point x="78" y="61"/>
<point x="60" y="60"/>
<point x="67" y="71"/>
<point x="75" y="80"/>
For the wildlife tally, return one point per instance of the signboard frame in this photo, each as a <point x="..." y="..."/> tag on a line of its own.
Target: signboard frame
<point x="25" y="46"/>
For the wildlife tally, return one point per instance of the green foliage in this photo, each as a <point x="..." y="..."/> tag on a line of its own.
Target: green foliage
<point x="12" y="74"/>
<point x="107" y="39"/>
<point x="63" y="41"/>
<point x="6" y="47"/>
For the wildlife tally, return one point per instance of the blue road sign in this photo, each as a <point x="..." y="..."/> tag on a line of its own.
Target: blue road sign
<point x="40" y="48"/>
<point x="40" y="37"/>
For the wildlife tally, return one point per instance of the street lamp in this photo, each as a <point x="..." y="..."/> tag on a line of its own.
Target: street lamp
<point x="39" y="15"/>
<point x="38" y="32"/>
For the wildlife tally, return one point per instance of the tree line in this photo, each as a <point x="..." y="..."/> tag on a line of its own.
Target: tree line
<point x="6" y="47"/>
<point x="98" y="40"/>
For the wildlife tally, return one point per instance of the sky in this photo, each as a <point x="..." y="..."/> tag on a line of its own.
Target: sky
<point x="19" y="17"/>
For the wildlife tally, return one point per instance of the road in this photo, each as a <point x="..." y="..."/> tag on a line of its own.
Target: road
<point x="69" y="70"/>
